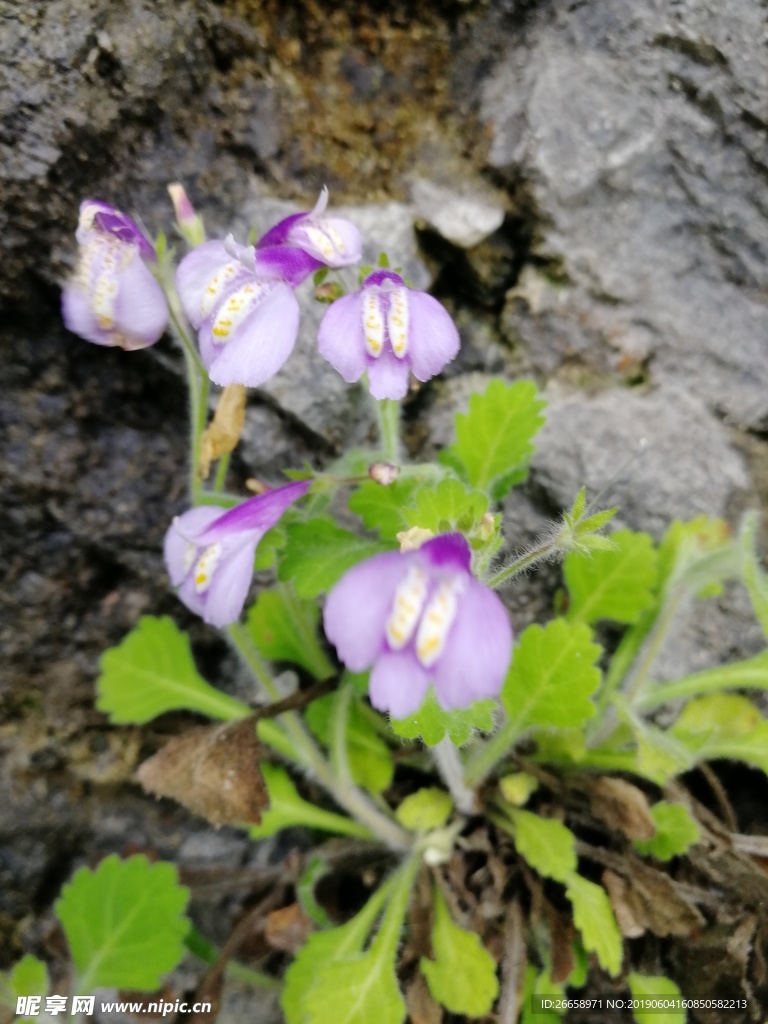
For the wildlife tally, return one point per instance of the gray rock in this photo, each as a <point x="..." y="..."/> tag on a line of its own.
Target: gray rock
<point x="686" y="468"/>
<point x="640" y="130"/>
<point x="464" y="213"/>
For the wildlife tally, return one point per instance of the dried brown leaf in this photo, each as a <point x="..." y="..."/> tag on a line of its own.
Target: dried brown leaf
<point x="422" y="1008"/>
<point x="622" y="807"/>
<point x="213" y="771"/>
<point x="625" y="905"/>
<point x="561" y="934"/>
<point x="223" y="432"/>
<point x="287" y="928"/>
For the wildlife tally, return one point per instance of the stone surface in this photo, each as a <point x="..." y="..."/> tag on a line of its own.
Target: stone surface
<point x="640" y="131"/>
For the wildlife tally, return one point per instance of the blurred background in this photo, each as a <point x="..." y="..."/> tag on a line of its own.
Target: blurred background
<point x="582" y="183"/>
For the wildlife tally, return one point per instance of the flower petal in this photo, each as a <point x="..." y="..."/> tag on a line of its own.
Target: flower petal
<point x="477" y="652"/>
<point x="141" y="311"/>
<point x="261" y="344"/>
<point x="398" y="684"/>
<point x="78" y="316"/>
<point x="194" y="274"/>
<point x="278" y="234"/>
<point x="183" y="531"/>
<point x="448" y="550"/>
<point x="357" y="608"/>
<point x="333" y="240"/>
<point x="388" y="375"/>
<point x="286" y="263"/>
<point x="231" y="580"/>
<point x="340" y="339"/>
<point x="434" y="339"/>
<point x="257" y="514"/>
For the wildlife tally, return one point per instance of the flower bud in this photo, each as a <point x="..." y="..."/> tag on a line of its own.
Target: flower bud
<point x="190" y="224"/>
<point x="384" y="473"/>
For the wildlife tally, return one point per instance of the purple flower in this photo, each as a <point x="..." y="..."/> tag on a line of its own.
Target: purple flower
<point x="420" y="618"/>
<point x="240" y="298"/>
<point x="209" y="551"/>
<point x="113" y="298"/>
<point x="389" y="330"/>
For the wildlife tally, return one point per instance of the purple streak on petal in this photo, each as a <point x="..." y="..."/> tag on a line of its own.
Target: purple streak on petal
<point x="477" y="651"/>
<point x="78" y="316"/>
<point x="388" y="375"/>
<point x="357" y="608"/>
<point x="398" y="684"/>
<point x="258" y="514"/>
<point x="341" y="340"/>
<point x="231" y="580"/>
<point x="183" y="531"/>
<point x="286" y="263"/>
<point x="279" y="233"/>
<point x="433" y="335"/>
<point x="195" y="271"/>
<point x="260" y="344"/>
<point x="141" y="311"/>
<point x="114" y="223"/>
<point x="447" y="551"/>
<point x="379" y="276"/>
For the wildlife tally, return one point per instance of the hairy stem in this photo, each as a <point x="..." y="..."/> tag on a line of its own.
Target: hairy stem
<point x="388" y="417"/>
<point x="448" y="763"/>
<point x="309" y="755"/>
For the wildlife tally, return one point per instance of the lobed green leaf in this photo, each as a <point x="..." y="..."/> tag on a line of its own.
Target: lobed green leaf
<point x="494" y="438"/>
<point x="283" y="627"/>
<point x="318" y="553"/>
<point x="463" y="974"/>
<point x="124" y="922"/>
<point x="432" y="724"/>
<point x="152" y="671"/>
<point x="552" y="676"/>
<point x="616" y="584"/>
<point x="676" y="831"/>
<point x="594" y="917"/>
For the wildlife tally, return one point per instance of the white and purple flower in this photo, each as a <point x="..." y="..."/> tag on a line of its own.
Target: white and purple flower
<point x="240" y="299"/>
<point x="113" y="298"/>
<point x="389" y="330"/>
<point x="209" y="551"/>
<point x="419" y="618"/>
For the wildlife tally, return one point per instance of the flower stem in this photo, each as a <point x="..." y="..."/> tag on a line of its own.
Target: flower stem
<point x="448" y="763"/>
<point x="388" y="417"/>
<point x="391" y="926"/>
<point x="539" y="553"/>
<point x="221" y="472"/>
<point x="486" y="758"/>
<point x="306" y="752"/>
<point x="197" y="381"/>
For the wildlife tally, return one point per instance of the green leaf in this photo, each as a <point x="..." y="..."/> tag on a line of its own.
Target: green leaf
<point x="432" y="724"/>
<point x="425" y="809"/>
<point x="322" y="949"/>
<point x="370" y="759"/>
<point x="270" y="544"/>
<point x="382" y="507"/>
<point x="646" y="985"/>
<point x="531" y="1011"/>
<point x="518" y="787"/>
<point x="675" y="832"/>
<point x="152" y="671"/>
<point x="552" y="676"/>
<point x="318" y="553"/>
<point x="124" y="923"/>
<point x="364" y="987"/>
<point x="755" y="578"/>
<point x="724" y="725"/>
<point x="463" y="974"/>
<point x="354" y="990"/>
<point x="742" y="675"/>
<point x="617" y="584"/>
<point x="29" y="977"/>
<point x="284" y="628"/>
<point x="316" y="869"/>
<point x="494" y="438"/>
<point x="593" y="916"/>
<point x="547" y="845"/>
<point x="287" y="809"/>
<point x="447" y="507"/>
